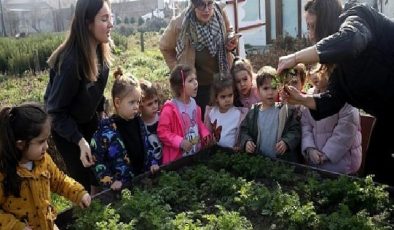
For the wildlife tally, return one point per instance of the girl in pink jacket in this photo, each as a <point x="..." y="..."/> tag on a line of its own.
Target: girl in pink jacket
<point x="332" y="143"/>
<point x="180" y="128"/>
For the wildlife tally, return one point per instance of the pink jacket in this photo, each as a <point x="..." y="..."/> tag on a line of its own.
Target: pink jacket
<point x="337" y="136"/>
<point x="170" y="131"/>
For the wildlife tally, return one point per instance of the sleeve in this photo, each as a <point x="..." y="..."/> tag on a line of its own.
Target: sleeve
<point x="164" y="133"/>
<point x="352" y="38"/>
<point x="63" y="184"/>
<point x="100" y="169"/>
<point x="64" y="86"/>
<point x="167" y="44"/>
<point x="204" y="132"/>
<point x="343" y="134"/>
<point x="292" y="137"/>
<point x="244" y="130"/>
<point x="7" y="220"/>
<point x="308" y="139"/>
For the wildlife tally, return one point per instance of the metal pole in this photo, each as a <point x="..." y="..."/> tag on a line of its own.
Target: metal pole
<point x="2" y="19"/>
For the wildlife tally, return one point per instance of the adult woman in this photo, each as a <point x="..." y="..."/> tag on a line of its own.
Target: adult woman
<point x="362" y="50"/>
<point x="78" y="76"/>
<point x="200" y="37"/>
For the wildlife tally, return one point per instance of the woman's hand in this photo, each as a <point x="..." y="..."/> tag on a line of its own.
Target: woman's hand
<point x="232" y="43"/>
<point x="85" y="201"/>
<point x="286" y="62"/>
<point x="86" y="154"/>
<point x="291" y="95"/>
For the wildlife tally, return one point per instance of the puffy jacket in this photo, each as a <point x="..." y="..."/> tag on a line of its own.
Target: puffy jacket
<point x="337" y="136"/>
<point x="34" y="204"/>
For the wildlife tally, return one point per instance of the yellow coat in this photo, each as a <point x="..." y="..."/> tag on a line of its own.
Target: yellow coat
<point x="34" y="206"/>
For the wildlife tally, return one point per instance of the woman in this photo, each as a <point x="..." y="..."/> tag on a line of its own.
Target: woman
<point x="78" y="76"/>
<point x="362" y="49"/>
<point x="200" y="37"/>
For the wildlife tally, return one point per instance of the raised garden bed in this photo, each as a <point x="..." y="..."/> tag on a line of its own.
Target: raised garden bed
<point x="220" y="190"/>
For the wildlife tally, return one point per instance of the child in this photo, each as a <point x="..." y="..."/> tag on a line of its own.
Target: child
<point x="180" y="126"/>
<point x="247" y="93"/>
<point x="270" y="128"/>
<point x="298" y="78"/>
<point x="313" y="78"/>
<point x="118" y="138"/>
<point x="332" y="143"/>
<point x="27" y="173"/>
<point x="149" y="107"/>
<point x="223" y="119"/>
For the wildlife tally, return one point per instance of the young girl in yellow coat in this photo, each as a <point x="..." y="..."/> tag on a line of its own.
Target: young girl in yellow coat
<point x="27" y="173"/>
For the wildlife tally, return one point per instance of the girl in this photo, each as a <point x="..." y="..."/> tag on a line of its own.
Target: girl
<point x="247" y="93"/>
<point x="180" y="126"/>
<point x="75" y="93"/>
<point x="27" y="173"/>
<point x="149" y="114"/>
<point x="118" y="138"/>
<point x="223" y="119"/>
<point x="332" y="143"/>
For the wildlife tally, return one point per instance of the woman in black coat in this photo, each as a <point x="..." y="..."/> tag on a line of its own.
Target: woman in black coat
<point x="359" y="43"/>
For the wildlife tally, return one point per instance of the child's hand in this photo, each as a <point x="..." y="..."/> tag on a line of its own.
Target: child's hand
<point x="281" y="147"/>
<point x="209" y="141"/>
<point x="250" y="147"/>
<point x="315" y="156"/>
<point x="236" y="149"/>
<point x="186" y="145"/>
<point x="85" y="201"/>
<point x="117" y="185"/>
<point x="154" y="168"/>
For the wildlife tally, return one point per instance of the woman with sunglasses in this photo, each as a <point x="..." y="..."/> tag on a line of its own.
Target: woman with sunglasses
<point x="200" y="37"/>
<point x="359" y="42"/>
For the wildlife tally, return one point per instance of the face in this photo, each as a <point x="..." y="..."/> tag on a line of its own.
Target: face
<point x="100" y="28"/>
<point x="127" y="107"/>
<point x="191" y="86"/>
<point x="295" y="81"/>
<point x="311" y="25"/>
<point x="225" y="99"/>
<point x="36" y="147"/>
<point x="268" y="93"/>
<point x="314" y="78"/>
<point x="204" y="10"/>
<point x="243" y="82"/>
<point x="149" y="107"/>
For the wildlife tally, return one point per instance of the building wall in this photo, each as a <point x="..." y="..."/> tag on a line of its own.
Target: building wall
<point x="133" y="9"/>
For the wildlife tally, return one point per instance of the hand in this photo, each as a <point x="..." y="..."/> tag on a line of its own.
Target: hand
<point x="232" y="43"/>
<point x="291" y="95"/>
<point x="86" y="154"/>
<point x="117" y="185"/>
<point x="316" y="157"/>
<point x="27" y="227"/>
<point x="236" y="149"/>
<point x="186" y="145"/>
<point x="281" y="147"/>
<point x="85" y="201"/>
<point x="286" y="62"/>
<point x="209" y="141"/>
<point x="154" y="168"/>
<point x="250" y="147"/>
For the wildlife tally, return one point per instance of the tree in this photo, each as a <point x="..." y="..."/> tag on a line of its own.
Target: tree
<point x="126" y="20"/>
<point x="140" y="21"/>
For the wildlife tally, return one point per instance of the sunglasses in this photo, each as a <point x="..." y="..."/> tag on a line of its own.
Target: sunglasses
<point x="204" y="5"/>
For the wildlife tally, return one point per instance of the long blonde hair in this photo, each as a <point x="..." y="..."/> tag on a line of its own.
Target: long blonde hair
<point x="78" y="45"/>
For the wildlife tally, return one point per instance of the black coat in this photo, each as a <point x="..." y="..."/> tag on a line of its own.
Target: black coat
<point x="363" y="51"/>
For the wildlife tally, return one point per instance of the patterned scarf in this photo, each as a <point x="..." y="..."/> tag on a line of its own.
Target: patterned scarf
<point x="209" y="35"/>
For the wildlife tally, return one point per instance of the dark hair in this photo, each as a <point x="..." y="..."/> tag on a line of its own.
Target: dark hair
<point x="266" y="72"/>
<point x="123" y="85"/>
<point x="23" y="123"/>
<point x="178" y="76"/>
<point x="78" y="40"/>
<point x="148" y="90"/>
<point x="327" y="16"/>
<point x="220" y="82"/>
